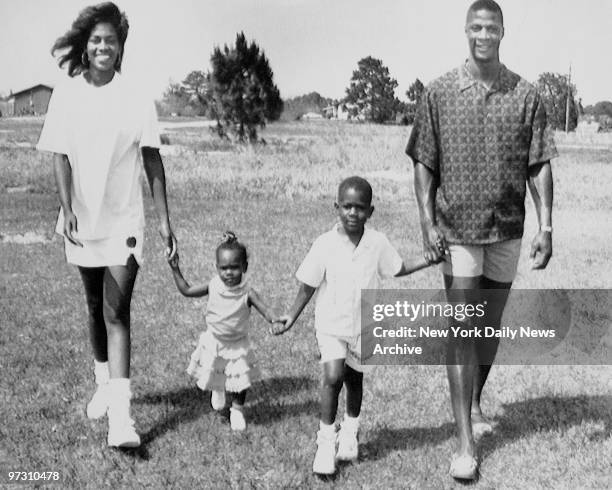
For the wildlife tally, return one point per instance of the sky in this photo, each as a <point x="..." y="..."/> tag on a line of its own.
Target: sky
<point x="314" y="45"/>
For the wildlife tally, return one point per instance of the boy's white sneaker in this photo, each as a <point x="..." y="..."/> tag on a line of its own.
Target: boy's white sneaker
<point x="325" y="458"/>
<point x="348" y="444"/>
<point x="237" y="421"/>
<point x="217" y="399"/>
<point x="98" y="405"/>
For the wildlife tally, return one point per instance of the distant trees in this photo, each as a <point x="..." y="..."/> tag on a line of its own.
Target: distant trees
<point x="372" y="91"/>
<point x="296" y="107"/>
<point x="414" y="93"/>
<point x="554" y="90"/>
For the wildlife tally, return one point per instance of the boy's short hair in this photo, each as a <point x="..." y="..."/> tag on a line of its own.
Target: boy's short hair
<point x="489" y="5"/>
<point x="357" y="183"/>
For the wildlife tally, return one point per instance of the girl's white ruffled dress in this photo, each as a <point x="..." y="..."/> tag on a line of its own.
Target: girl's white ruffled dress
<point x="224" y="359"/>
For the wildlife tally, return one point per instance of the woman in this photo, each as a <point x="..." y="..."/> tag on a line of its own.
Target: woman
<point x="99" y="131"/>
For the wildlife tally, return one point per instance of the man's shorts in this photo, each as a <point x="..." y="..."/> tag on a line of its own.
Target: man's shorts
<point x="332" y="347"/>
<point x="497" y="261"/>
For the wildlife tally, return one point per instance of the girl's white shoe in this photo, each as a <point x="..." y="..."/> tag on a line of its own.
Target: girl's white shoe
<point x="237" y="421"/>
<point x="217" y="399"/>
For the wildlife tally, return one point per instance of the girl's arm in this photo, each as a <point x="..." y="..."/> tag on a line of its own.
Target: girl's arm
<point x="260" y="306"/>
<point x="302" y="298"/>
<point x="195" y="291"/>
<point x="154" y="168"/>
<point x="63" y="179"/>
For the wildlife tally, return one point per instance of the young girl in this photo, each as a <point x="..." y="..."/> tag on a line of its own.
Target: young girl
<point x="223" y="360"/>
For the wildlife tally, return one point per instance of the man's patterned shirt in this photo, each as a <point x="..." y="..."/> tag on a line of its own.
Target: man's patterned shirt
<point x="479" y="143"/>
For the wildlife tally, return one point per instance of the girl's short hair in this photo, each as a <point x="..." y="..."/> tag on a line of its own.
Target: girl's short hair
<point x="230" y="242"/>
<point x="74" y="42"/>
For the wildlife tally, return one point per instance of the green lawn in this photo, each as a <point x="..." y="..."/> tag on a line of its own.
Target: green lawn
<point x="554" y="422"/>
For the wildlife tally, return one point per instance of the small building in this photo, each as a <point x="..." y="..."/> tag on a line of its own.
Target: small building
<point x="310" y="116"/>
<point x="32" y="101"/>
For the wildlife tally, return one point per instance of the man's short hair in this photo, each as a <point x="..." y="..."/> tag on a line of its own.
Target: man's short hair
<point x="357" y="183"/>
<point x="489" y="5"/>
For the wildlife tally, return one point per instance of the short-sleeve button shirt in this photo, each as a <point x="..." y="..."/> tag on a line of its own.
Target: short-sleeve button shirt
<point x="479" y="143"/>
<point x="340" y="271"/>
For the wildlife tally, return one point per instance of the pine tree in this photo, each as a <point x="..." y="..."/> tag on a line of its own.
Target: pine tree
<point x="244" y="96"/>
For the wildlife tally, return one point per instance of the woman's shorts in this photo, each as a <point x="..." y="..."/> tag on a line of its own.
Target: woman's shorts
<point x="106" y="251"/>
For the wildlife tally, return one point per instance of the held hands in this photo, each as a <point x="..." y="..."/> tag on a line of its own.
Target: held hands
<point x="281" y="325"/>
<point x="434" y="245"/>
<point x="169" y="241"/>
<point x="541" y="250"/>
<point x="173" y="261"/>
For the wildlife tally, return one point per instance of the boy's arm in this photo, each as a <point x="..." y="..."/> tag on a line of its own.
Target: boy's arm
<point x="260" y="306"/>
<point x="302" y="298"/>
<point x="412" y="265"/>
<point x="183" y="286"/>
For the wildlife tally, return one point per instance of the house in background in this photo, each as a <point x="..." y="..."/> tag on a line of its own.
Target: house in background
<point x="31" y="101"/>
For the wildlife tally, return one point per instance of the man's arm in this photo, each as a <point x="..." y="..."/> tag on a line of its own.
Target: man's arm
<point x="541" y="188"/>
<point x="425" y="189"/>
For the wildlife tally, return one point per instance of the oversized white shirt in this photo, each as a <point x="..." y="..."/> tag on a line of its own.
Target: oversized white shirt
<point x="101" y="130"/>
<point x="340" y="271"/>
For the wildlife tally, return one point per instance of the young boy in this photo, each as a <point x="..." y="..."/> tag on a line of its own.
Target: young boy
<point x="342" y="262"/>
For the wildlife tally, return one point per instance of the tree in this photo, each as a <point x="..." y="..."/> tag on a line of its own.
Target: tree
<point x="243" y="96"/>
<point x="415" y="91"/>
<point x="554" y="90"/>
<point x="372" y="91"/>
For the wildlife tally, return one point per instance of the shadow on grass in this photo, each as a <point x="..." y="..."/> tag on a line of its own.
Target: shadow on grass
<point x="390" y="440"/>
<point x="190" y="403"/>
<point x="519" y="420"/>
<point x="549" y="414"/>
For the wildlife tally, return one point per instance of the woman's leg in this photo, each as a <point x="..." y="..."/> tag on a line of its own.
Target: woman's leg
<point x="118" y="286"/>
<point x="93" y="280"/>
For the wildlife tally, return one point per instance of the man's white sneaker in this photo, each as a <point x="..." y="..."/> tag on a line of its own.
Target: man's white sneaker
<point x="98" y="405"/>
<point x="348" y="445"/>
<point x="325" y="458"/>
<point x="121" y="432"/>
<point x="217" y="399"/>
<point x="237" y="421"/>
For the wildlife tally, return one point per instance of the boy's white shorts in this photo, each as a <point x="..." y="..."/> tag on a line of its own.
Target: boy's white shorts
<point x="332" y="347"/>
<point x="497" y="261"/>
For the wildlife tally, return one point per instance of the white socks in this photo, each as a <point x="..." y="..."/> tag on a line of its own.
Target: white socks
<point x="101" y="373"/>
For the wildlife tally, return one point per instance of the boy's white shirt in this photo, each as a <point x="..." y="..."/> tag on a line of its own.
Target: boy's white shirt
<point x="101" y="130"/>
<point x="340" y="271"/>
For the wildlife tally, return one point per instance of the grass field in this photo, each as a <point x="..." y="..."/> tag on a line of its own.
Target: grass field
<point x="554" y="422"/>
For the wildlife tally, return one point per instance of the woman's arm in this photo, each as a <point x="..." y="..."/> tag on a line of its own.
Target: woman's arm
<point x="63" y="180"/>
<point x="154" y="168"/>
<point x="260" y="306"/>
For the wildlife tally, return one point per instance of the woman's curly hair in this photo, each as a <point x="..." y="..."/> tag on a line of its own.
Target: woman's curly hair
<point x="74" y="42"/>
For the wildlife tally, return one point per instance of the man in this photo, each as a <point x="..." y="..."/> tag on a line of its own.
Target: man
<point x="479" y="136"/>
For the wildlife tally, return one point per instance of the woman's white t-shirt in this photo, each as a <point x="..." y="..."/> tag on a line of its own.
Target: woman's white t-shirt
<point x="101" y="130"/>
